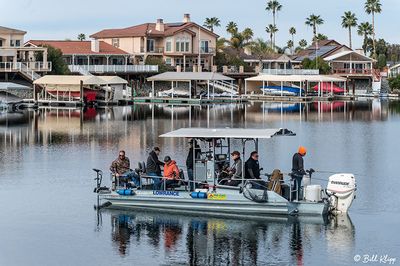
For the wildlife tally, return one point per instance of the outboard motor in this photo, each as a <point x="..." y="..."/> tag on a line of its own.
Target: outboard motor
<point x="341" y="192"/>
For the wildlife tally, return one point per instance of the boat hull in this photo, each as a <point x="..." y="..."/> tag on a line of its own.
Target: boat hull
<point x="231" y="205"/>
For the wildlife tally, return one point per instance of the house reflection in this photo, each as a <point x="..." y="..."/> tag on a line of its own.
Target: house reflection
<point x="215" y="241"/>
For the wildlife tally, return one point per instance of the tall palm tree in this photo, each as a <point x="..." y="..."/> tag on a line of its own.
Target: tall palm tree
<point x="290" y="45"/>
<point x="81" y="37"/>
<point x="274" y="7"/>
<point x="271" y="29"/>
<point x="365" y="29"/>
<point x="320" y="37"/>
<point x="349" y="20"/>
<point x="303" y="43"/>
<point x="248" y="34"/>
<point x="238" y="42"/>
<point x="211" y="23"/>
<point x="314" y="21"/>
<point x="292" y="31"/>
<point x="373" y="7"/>
<point x="232" y="28"/>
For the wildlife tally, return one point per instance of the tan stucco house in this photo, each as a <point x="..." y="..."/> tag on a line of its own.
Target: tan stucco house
<point x="15" y="58"/>
<point x="178" y="44"/>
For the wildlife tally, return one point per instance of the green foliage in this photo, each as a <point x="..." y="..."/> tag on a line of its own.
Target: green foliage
<point x="394" y="83"/>
<point x="317" y="63"/>
<point x="211" y="23"/>
<point x="81" y="37"/>
<point x="55" y="56"/>
<point x="155" y="60"/>
<point x="381" y="61"/>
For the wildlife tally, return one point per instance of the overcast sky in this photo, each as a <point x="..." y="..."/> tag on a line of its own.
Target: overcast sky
<point x="54" y="19"/>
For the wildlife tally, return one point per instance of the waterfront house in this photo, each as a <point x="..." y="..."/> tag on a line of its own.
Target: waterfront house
<point x="92" y="57"/>
<point x="18" y="60"/>
<point x="179" y="44"/>
<point x="344" y="62"/>
<point x="272" y="64"/>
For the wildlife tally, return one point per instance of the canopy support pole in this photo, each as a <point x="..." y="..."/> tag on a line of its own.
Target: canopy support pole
<point x="152" y="88"/>
<point x="332" y="88"/>
<point x="208" y="89"/>
<point x="263" y="86"/>
<point x="281" y="88"/>
<point x="172" y="87"/>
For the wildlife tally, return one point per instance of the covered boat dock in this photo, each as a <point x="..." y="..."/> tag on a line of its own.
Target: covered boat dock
<point x="211" y="79"/>
<point x="254" y="84"/>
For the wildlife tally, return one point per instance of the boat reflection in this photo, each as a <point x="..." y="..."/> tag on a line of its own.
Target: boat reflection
<point x="216" y="241"/>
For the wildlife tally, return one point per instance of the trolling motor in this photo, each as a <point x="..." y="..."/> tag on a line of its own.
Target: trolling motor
<point x="99" y="178"/>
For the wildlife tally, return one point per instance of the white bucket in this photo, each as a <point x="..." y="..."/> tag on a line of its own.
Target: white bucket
<point x="312" y="193"/>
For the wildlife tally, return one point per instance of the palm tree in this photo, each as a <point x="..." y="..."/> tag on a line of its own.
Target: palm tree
<point x="248" y="34"/>
<point x="237" y="42"/>
<point x="232" y="28"/>
<point x="81" y="37"/>
<point x="290" y="45"/>
<point x="365" y="29"/>
<point x="271" y="29"/>
<point x="274" y="7"/>
<point x="320" y="37"/>
<point x="373" y="7"/>
<point x="313" y="21"/>
<point x="303" y="43"/>
<point x="349" y="20"/>
<point x="292" y="31"/>
<point x="260" y="49"/>
<point x="211" y="23"/>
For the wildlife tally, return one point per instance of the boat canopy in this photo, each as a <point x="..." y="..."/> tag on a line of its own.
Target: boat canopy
<point x="234" y="133"/>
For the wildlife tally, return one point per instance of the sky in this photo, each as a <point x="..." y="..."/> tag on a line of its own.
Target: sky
<point x="55" y="19"/>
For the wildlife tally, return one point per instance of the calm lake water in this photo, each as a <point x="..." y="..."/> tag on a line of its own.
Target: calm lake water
<point x="46" y="184"/>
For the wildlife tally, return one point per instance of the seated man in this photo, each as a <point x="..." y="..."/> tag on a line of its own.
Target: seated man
<point x="171" y="173"/>
<point x="252" y="171"/>
<point x="120" y="167"/>
<point x="233" y="175"/>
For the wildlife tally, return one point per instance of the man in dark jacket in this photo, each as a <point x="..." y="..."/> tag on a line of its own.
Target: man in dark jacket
<point x="298" y="169"/>
<point x="153" y="166"/>
<point x="194" y="153"/>
<point x="252" y="167"/>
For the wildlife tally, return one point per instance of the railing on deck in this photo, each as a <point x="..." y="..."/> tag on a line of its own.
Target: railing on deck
<point x="290" y="71"/>
<point x="25" y="66"/>
<point x="352" y="71"/>
<point x="114" y="68"/>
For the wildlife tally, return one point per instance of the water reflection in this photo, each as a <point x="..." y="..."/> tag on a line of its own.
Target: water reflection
<point x="55" y="125"/>
<point x="214" y="241"/>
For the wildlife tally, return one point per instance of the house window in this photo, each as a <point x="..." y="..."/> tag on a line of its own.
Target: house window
<point x="150" y="45"/>
<point x="182" y="44"/>
<point x="204" y="47"/>
<point x="115" y="42"/>
<point x="168" y="61"/>
<point x="17" y="43"/>
<point x="12" y="43"/>
<point x="168" y="45"/>
<point x="1" y="43"/>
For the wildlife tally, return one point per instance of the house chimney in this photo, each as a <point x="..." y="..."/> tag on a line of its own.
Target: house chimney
<point x="95" y="46"/>
<point x="160" y="25"/>
<point x="186" y="18"/>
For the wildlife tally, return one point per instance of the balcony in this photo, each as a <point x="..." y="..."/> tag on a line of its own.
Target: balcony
<point x="352" y="71"/>
<point x="207" y="50"/>
<point x="99" y="69"/>
<point x="290" y="71"/>
<point x="25" y="66"/>
<point x="152" y="50"/>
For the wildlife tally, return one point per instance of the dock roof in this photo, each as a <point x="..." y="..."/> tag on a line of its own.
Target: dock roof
<point x="297" y="78"/>
<point x="236" y="133"/>
<point x="76" y="80"/>
<point x="188" y="76"/>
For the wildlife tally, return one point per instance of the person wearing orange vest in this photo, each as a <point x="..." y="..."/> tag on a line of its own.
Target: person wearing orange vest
<point x="298" y="169"/>
<point x="171" y="172"/>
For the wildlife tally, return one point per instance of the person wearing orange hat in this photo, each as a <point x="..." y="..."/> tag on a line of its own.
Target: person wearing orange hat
<point x="298" y="169"/>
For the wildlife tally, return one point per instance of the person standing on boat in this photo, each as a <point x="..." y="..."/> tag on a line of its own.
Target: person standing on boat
<point x="252" y="167"/>
<point x="194" y="153"/>
<point x="154" y="166"/>
<point x="171" y="173"/>
<point x="120" y="167"/>
<point x="298" y="169"/>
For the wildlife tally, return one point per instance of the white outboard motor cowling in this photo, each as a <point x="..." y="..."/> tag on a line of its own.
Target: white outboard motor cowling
<point x="341" y="191"/>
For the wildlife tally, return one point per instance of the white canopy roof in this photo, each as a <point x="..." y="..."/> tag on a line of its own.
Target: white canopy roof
<point x="76" y="80"/>
<point x="296" y="78"/>
<point x="237" y="133"/>
<point x="345" y="53"/>
<point x="188" y="76"/>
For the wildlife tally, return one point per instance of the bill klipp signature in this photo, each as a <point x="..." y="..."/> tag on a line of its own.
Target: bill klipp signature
<point x="375" y="258"/>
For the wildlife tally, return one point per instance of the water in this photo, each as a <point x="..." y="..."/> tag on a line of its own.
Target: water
<point x="46" y="185"/>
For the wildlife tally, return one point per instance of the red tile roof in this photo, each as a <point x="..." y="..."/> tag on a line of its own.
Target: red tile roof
<point x="148" y="29"/>
<point x="80" y="47"/>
